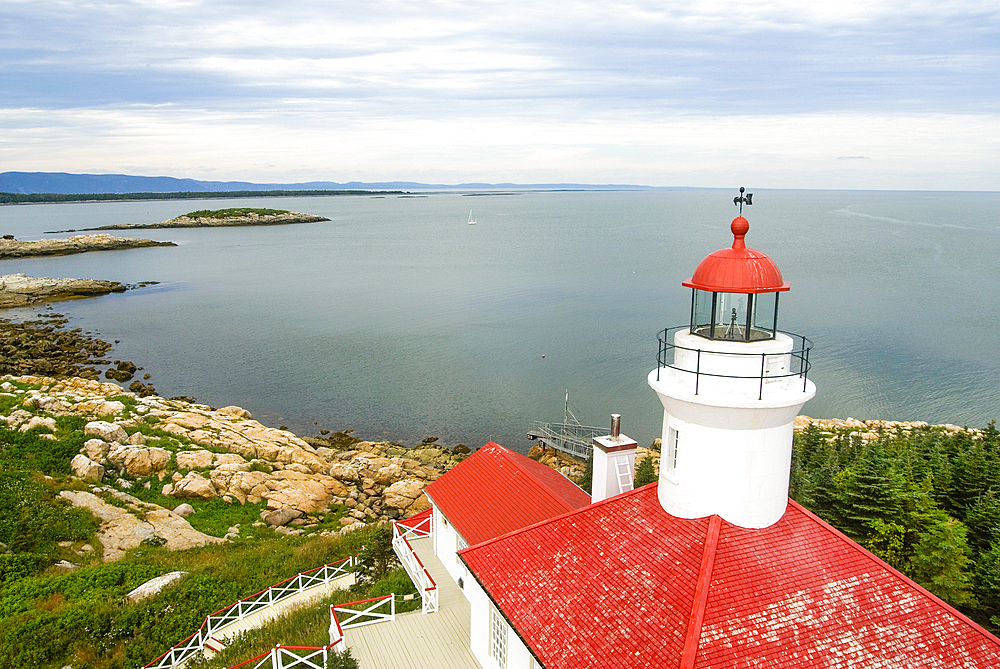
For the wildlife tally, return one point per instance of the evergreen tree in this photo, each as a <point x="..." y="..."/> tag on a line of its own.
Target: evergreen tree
<point x="376" y="558"/>
<point x="644" y="473"/>
<point x="986" y="581"/>
<point x="983" y="521"/>
<point x="885" y="539"/>
<point x="940" y="559"/>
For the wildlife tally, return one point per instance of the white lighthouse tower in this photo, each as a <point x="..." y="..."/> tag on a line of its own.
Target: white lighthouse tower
<point x="731" y="385"/>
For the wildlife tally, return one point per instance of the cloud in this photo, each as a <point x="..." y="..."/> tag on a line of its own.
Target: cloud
<point x="610" y="80"/>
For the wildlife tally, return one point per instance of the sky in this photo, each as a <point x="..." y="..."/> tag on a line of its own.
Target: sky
<point x="782" y="94"/>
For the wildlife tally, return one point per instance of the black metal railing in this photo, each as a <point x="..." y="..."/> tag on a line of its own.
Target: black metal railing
<point x="800" y="354"/>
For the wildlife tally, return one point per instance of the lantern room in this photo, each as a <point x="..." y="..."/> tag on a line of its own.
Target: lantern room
<point x="735" y="292"/>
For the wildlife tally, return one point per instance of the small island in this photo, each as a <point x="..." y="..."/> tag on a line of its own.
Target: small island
<point x="12" y="248"/>
<point x="220" y="218"/>
<point x="20" y="290"/>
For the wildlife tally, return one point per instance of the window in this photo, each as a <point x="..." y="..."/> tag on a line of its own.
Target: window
<point x="498" y="638"/>
<point x="460" y="543"/>
<point x="673" y="440"/>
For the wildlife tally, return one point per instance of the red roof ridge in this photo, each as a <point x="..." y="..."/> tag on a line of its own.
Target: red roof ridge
<point x="556" y="518"/>
<point x="702" y="588"/>
<point x="919" y="589"/>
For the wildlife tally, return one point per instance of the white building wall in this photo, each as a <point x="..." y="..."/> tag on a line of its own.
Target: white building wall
<point x="518" y="655"/>
<point x="446" y="546"/>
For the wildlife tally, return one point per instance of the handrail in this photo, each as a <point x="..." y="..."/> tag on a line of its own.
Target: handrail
<point x="368" y="616"/>
<point x="275" y="658"/>
<point x="416" y="570"/>
<point x="239" y="610"/>
<point x="801" y="354"/>
<point x="412" y="527"/>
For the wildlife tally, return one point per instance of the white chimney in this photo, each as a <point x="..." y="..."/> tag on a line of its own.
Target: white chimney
<point x="614" y="463"/>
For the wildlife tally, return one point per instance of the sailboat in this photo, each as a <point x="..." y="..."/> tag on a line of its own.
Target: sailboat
<point x="472" y="221"/>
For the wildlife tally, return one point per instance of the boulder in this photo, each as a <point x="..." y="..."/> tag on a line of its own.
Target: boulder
<point x="402" y="494"/>
<point x="236" y="412"/>
<point x="107" y="431"/>
<point x="194" y="486"/>
<point x="95" y="449"/>
<point x="85" y="468"/>
<point x="279" y="517"/>
<point x="154" y="586"/>
<point x="184" y="510"/>
<point x="38" y="421"/>
<point x="139" y="461"/>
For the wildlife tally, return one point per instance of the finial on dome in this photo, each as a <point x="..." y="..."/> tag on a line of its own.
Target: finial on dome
<point x="741" y="199"/>
<point x="740" y="226"/>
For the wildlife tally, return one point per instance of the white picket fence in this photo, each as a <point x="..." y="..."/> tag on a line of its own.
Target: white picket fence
<point x="187" y="648"/>
<point x="312" y="657"/>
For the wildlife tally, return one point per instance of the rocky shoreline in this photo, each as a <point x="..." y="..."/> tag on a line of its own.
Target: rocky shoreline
<point x="12" y="248"/>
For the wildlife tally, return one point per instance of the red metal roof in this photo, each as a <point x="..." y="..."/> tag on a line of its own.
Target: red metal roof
<point x="495" y="491"/>
<point x="623" y="584"/>
<point x="738" y="269"/>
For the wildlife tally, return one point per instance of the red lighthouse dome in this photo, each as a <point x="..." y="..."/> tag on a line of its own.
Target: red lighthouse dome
<point x="738" y="269"/>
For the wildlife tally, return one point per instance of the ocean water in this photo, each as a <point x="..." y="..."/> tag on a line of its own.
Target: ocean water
<point x="398" y="320"/>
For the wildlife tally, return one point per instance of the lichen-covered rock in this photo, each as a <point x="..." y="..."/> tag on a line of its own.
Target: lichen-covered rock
<point x="96" y="450"/>
<point x="85" y="468"/>
<point x="107" y="431"/>
<point x="198" y="459"/>
<point x="139" y="461"/>
<point x="194" y="486"/>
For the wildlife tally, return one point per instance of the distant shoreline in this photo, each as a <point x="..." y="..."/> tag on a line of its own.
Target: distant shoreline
<point x="52" y="198"/>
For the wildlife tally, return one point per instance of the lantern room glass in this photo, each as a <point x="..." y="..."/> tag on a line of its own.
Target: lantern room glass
<point x="734" y="316"/>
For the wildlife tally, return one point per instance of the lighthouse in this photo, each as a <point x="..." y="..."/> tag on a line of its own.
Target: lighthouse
<point x="731" y="384"/>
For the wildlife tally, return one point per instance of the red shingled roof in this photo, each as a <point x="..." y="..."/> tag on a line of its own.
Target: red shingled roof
<point x="495" y="491"/>
<point x="622" y="583"/>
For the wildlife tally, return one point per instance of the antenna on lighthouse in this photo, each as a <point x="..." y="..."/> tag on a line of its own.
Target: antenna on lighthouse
<point x="741" y="199"/>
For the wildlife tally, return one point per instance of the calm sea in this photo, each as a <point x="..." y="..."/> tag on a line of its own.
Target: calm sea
<point x="399" y="320"/>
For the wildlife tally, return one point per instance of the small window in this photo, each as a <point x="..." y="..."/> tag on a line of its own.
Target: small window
<point x="498" y="638"/>
<point x="460" y="543"/>
<point x="673" y="440"/>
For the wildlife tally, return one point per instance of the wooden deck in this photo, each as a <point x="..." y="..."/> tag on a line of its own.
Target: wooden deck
<point x="415" y="640"/>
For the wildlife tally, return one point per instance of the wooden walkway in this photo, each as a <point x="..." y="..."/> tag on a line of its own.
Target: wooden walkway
<point x="416" y="640"/>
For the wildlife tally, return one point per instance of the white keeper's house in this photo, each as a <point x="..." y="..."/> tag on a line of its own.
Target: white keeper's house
<point x="710" y="567"/>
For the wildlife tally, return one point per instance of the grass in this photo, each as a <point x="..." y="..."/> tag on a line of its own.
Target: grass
<point x="82" y="617"/>
<point x="235" y="211"/>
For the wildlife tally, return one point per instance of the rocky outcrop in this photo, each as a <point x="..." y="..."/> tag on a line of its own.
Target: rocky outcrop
<point x="124" y="528"/>
<point x="11" y="248"/>
<point x="19" y="290"/>
<point x="284" y="218"/>
<point x="202" y="453"/>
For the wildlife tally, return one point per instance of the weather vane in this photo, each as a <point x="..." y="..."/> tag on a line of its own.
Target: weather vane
<point x="743" y="199"/>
